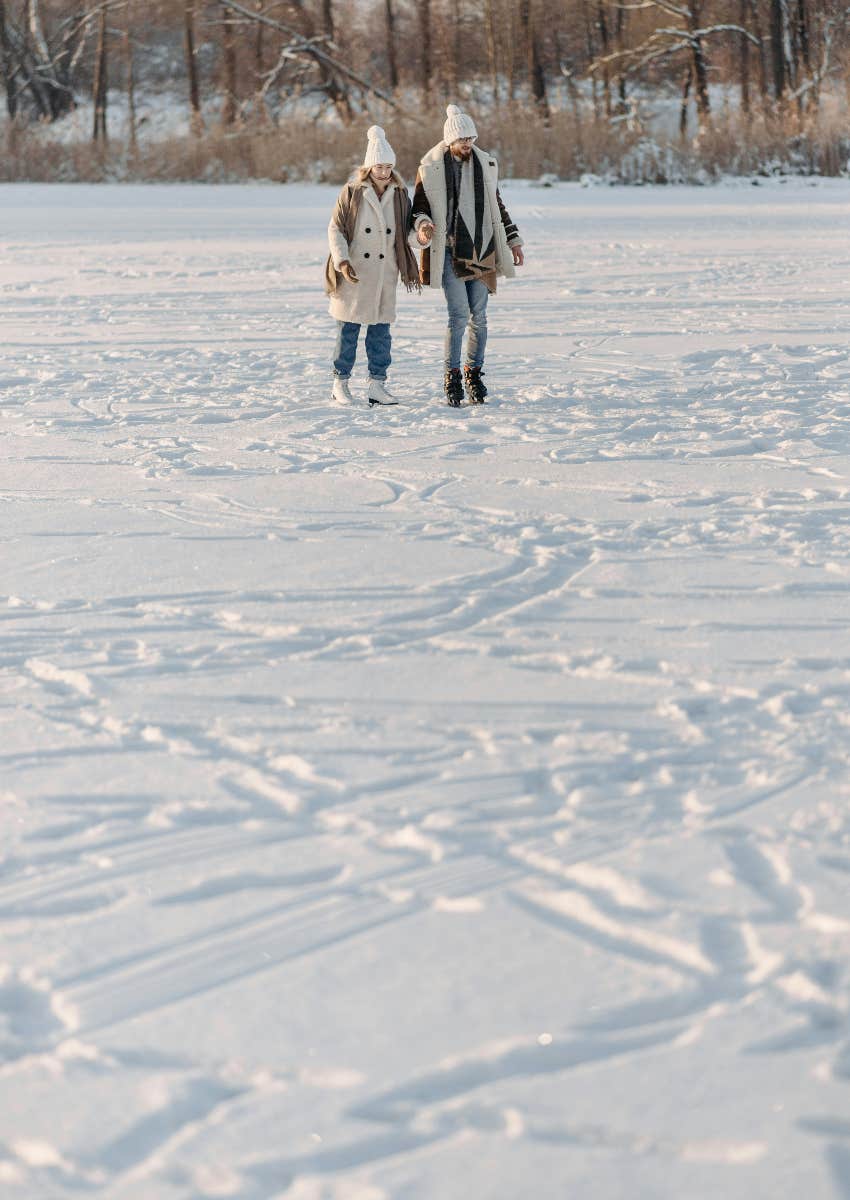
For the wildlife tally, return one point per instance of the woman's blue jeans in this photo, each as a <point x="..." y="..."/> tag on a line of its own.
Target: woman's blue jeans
<point x="378" y="346"/>
<point x="467" y="304"/>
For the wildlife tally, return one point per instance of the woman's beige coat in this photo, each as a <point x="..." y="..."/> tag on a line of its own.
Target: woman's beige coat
<point x="372" y="254"/>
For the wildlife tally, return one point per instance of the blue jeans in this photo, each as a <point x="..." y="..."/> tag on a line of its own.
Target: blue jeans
<point x="467" y="303"/>
<point x="378" y="345"/>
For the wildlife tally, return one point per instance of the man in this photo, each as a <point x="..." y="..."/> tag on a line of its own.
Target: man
<point x="469" y="240"/>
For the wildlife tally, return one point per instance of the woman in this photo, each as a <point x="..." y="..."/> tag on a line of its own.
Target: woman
<point x="368" y="237"/>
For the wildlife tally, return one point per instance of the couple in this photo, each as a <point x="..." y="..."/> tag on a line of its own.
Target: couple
<point x="467" y="239"/>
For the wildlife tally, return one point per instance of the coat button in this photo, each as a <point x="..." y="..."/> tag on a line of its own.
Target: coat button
<point x="366" y="255"/>
<point x="380" y="256"/>
<point x="368" y="230"/>
<point x="388" y="229"/>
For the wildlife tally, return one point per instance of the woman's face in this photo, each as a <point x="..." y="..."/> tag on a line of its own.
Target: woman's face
<point x="381" y="172"/>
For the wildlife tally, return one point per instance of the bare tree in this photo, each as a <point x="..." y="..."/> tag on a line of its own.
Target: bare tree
<point x="392" y="53"/>
<point x="492" y="58"/>
<point x="228" y="47"/>
<point x="425" y="47"/>
<point x="101" y="81"/>
<point x="328" y="19"/>
<point x="336" y="77"/>
<point x="192" y="65"/>
<point x="6" y="64"/>
<point x="130" y="64"/>
<point x="780" y="46"/>
<point x="665" y="43"/>
<point x="536" y="76"/>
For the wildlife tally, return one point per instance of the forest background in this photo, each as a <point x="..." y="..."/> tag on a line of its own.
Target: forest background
<point x="217" y="90"/>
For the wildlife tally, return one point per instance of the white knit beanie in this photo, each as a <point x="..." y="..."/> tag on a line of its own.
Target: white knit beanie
<point x="378" y="149"/>
<point x="458" y="125"/>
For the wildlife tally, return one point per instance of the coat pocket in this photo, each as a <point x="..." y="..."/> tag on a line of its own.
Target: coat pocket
<point x="333" y="279"/>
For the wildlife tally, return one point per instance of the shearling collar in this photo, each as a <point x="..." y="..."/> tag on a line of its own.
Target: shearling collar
<point x="437" y="153"/>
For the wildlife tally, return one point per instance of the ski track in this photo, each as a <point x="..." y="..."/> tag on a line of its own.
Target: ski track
<point x="419" y="803"/>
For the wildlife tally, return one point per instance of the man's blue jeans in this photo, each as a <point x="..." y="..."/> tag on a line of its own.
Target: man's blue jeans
<point x="378" y="346"/>
<point x="467" y="304"/>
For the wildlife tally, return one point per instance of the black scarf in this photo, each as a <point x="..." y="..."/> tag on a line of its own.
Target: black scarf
<point x="471" y="259"/>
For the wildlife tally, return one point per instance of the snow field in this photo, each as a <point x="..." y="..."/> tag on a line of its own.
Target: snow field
<point x="411" y="803"/>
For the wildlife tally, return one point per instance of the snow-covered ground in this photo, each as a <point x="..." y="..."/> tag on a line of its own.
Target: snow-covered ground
<point x="417" y="804"/>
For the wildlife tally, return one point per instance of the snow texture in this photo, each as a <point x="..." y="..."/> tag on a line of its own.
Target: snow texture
<point x="413" y="804"/>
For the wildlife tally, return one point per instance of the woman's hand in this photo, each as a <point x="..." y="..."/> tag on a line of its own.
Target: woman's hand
<point x="423" y="234"/>
<point x="348" y="272"/>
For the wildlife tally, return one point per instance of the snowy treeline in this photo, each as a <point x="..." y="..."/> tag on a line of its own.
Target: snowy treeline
<point x="570" y="86"/>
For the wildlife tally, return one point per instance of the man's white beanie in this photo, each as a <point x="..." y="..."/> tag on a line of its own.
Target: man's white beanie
<point x="378" y="149"/>
<point x="458" y="125"/>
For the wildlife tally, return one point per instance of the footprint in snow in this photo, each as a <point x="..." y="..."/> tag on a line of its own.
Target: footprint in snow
<point x="32" y="1016"/>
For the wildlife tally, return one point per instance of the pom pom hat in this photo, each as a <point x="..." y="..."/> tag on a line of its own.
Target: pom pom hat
<point x="458" y="125"/>
<point x="378" y="149"/>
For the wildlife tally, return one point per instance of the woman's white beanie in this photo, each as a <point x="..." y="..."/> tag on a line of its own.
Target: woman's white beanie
<point x="458" y="125"/>
<point x="378" y="149"/>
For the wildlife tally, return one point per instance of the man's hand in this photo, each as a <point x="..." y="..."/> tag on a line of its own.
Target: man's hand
<point x="424" y="233"/>
<point x="519" y="257"/>
<point x="346" y="270"/>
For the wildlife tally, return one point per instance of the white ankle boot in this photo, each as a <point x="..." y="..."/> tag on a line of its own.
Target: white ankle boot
<point x="378" y="393"/>
<point x="341" y="391"/>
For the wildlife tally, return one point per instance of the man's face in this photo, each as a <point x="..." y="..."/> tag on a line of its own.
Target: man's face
<point x="462" y="148"/>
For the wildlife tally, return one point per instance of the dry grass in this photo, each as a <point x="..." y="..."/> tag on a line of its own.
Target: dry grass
<point x="567" y="147"/>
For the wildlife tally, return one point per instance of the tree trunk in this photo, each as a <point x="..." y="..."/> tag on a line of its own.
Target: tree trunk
<point x="803" y="35"/>
<point x="536" y="77"/>
<point x="425" y="45"/>
<point x="802" y="52"/>
<point x="101" y="82"/>
<point x="492" y="61"/>
<point x="392" y="57"/>
<point x="131" y="84"/>
<point x="52" y="96"/>
<point x="622" y="106"/>
<point x="744" y="61"/>
<point x="36" y="31"/>
<point x="605" y="45"/>
<point x="758" y="30"/>
<point x="701" y="81"/>
<point x="328" y="18"/>
<point x="700" y="67"/>
<point x="590" y="54"/>
<point x="259" y="45"/>
<point x="777" y="47"/>
<point x="683" y="109"/>
<point x="455" y="49"/>
<point x="228" y="108"/>
<point x="511" y="36"/>
<point x="192" y="65"/>
<point x="6" y="65"/>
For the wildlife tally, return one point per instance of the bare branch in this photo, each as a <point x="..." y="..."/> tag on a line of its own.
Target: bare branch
<point x="307" y="46"/>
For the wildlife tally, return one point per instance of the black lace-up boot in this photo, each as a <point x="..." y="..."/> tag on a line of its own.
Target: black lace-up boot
<point x="475" y="389"/>
<point x="453" y="383"/>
